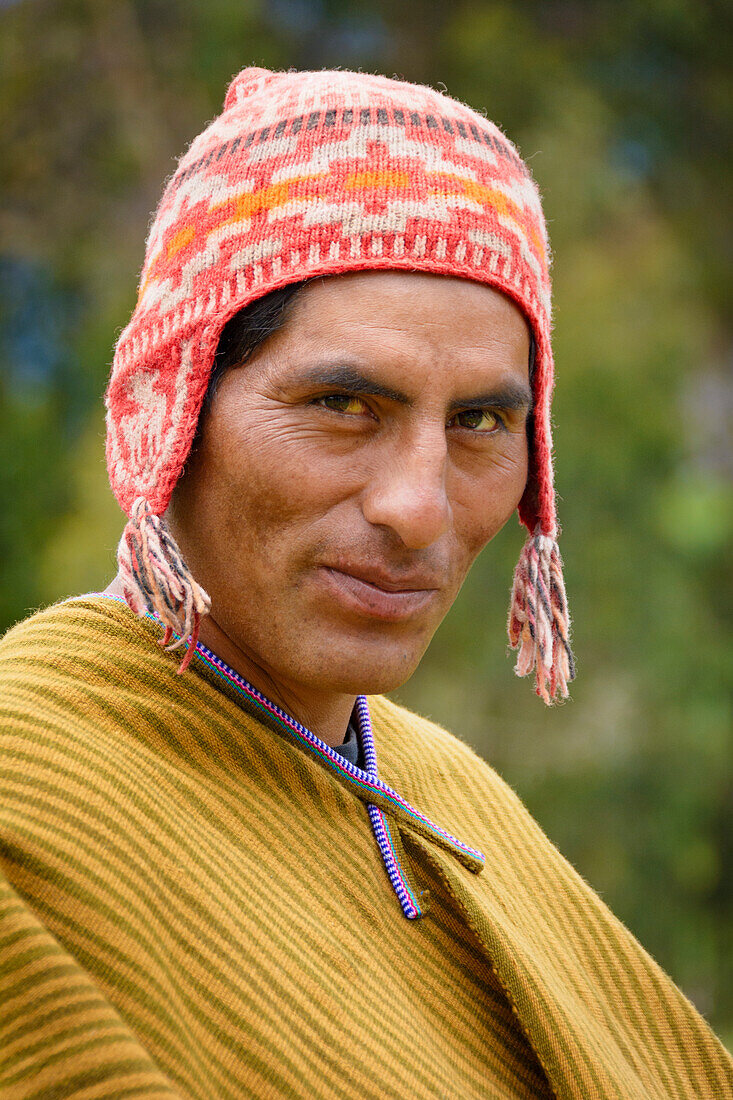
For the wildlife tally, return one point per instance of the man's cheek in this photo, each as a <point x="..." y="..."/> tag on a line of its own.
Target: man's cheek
<point x="263" y="529"/>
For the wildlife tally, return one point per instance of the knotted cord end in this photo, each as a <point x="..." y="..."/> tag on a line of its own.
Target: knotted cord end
<point x="156" y="579"/>
<point x="539" y="621"/>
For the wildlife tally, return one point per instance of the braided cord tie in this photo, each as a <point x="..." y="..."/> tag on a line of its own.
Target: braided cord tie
<point x="539" y="621"/>
<point x="157" y="579"/>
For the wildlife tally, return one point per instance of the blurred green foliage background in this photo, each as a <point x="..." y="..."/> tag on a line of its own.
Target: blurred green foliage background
<point x="623" y="110"/>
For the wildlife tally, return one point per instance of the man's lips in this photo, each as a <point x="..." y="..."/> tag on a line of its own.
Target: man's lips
<point x="390" y="580"/>
<point x="376" y="593"/>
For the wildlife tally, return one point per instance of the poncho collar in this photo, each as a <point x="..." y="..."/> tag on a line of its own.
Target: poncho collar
<point x="387" y="809"/>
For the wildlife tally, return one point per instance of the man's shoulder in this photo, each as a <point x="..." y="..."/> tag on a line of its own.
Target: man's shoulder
<point x="409" y="727"/>
<point x="61" y="660"/>
<point x="63" y="636"/>
<point x="76" y="613"/>
<point x="421" y="752"/>
<point x="83" y="683"/>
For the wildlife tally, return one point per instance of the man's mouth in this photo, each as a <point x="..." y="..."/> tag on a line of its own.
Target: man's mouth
<point x="373" y="592"/>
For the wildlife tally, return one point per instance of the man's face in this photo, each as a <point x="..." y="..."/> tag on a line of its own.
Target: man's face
<point x="350" y="472"/>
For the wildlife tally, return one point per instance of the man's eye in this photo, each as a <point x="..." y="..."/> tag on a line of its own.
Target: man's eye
<point x="343" y="403"/>
<point x="479" y="420"/>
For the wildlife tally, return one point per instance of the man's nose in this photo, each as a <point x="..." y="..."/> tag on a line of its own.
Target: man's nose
<point x="408" y="491"/>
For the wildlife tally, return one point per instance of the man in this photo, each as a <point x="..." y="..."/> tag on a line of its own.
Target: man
<point x="233" y="874"/>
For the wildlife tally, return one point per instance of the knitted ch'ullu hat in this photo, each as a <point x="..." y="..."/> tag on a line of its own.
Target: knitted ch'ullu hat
<point x="319" y="173"/>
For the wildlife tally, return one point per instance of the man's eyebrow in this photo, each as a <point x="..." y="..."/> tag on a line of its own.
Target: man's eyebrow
<point x="352" y="381"/>
<point x="347" y="379"/>
<point x="507" y="395"/>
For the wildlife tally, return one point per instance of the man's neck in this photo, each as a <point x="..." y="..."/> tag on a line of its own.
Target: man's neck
<point x="325" y="715"/>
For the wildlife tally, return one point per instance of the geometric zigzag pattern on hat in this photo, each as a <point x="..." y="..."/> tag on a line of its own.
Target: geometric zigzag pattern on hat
<point x="319" y="173"/>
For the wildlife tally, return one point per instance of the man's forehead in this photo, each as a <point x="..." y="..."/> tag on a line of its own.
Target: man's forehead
<point x="420" y="296"/>
<point x="389" y="320"/>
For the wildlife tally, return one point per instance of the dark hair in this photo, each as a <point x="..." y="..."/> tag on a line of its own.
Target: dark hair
<point x="242" y="335"/>
<point x="248" y="329"/>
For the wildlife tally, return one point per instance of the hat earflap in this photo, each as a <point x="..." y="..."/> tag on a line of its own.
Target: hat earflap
<point x="539" y="621"/>
<point x="156" y="579"/>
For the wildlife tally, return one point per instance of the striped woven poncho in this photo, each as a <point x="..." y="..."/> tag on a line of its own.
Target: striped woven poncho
<point x="197" y="901"/>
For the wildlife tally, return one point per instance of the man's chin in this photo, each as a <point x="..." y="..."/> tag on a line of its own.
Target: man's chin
<point x="369" y="679"/>
<point x="370" y="663"/>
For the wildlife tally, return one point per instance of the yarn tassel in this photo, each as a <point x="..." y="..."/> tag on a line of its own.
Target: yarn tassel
<point x="156" y="579"/>
<point x="539" y="622"/>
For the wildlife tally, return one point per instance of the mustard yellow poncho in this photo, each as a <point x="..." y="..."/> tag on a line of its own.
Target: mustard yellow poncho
<point x="193" y="903"/>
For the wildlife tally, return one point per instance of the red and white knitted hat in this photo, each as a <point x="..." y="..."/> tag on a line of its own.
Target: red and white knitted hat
<point x="319" y="173"/>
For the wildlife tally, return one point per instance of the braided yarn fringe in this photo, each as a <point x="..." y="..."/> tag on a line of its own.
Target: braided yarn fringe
<point x="539" y="622"/>
<point x="157" y="579"/>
